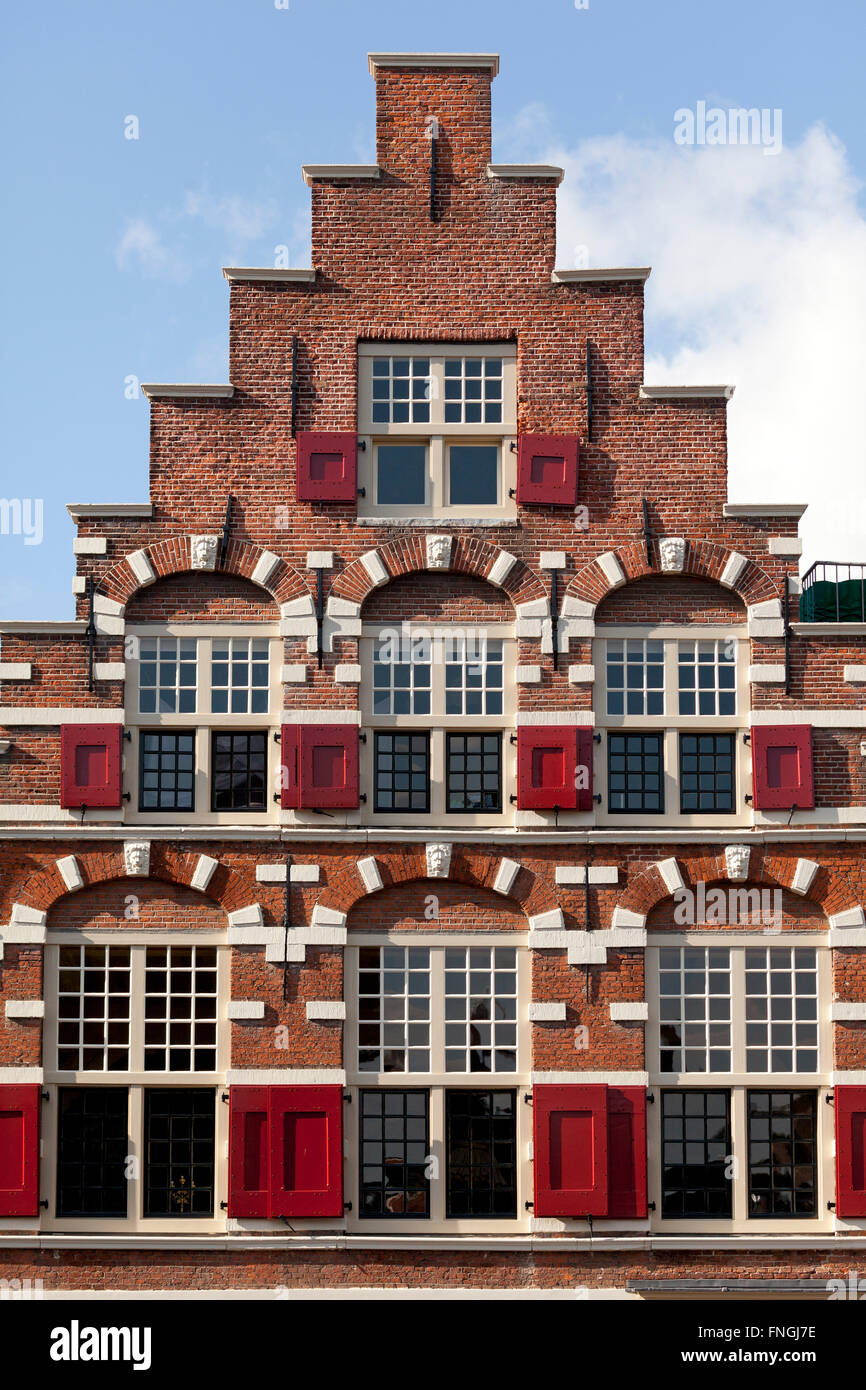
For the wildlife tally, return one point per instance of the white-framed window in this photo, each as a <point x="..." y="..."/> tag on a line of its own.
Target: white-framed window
<point x="438" y="704"/>
<point x="437" y="1058"/>
<point x="437" y="422"/>
<point x="203" y="710"/>
<point x="135" y="1054"/>
<point x="673" y="711"/>
<point x="739" y="1059"/>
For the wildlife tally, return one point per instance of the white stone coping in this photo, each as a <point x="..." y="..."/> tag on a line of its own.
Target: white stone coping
<point x="848" y="1011"/>
<point x="629" y="1011"/>
<point x="583" y="718"/>
<point x="285" y="275"/>
<point x="801" y="629"/>
<point x="553" y="1012"/>
<point x="785" y="545"/>
<point x="25" y="1008"/>
<point x="325" y="1010"/>
<point x="818" y="718"/>
<point x="320" y="716"/>
<point x="59" y="714"/>
<point x="433" y="60"/>
<point x="593" y="276"/>
<point x="89" y="545"/>
<point x="673" y="393"/>
<point x="277" y="1076"/>
<point x="79" y="511"/>
<point x="526" y="171"/>
<point x="51" y="627"/>
<point x="590" y="1078"/>
<point x="576" y="874"/>
<point x="245" y="1010"/>
<point x="764" y="509"/>
<point x="326" y="172"/>
<point x="194" y="390"/>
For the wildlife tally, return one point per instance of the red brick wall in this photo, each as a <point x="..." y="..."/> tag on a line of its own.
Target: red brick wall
<point x="217" y="598"/>
<point x="668" y="599"/>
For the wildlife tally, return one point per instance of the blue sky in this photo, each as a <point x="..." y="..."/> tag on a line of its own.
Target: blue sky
<point x="113" y="247"/>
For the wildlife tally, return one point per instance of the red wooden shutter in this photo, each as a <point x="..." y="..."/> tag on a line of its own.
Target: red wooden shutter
<point x="583" y="778"/>
<point x="782" y="767"/>
<point x="90" y="765"/>
<point x="249" y="1182"/>
<point x="547" y="767"/>
<point x="570" y="1150"/>
<point x="547" y="469"/>
<point x="327" y="466"/>
<point x="306" y="1150"/>
<point x="19" y="1150"/>
<point x="850" y="1106"/>
<point x="626" y="1137"/>
<point x="319" y="766"/>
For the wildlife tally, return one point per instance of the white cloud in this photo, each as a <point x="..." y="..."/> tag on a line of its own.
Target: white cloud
<point x="759" y="279"/>
<point x="239" y="219"/>
<point x="142" y="246"/>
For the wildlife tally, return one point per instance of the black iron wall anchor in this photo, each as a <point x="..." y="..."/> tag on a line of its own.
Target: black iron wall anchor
<point x="588" y="392"/>
<point x="224" y="541"/>
<point x="554" y="619"/>
<point x="432" y="136"/>
<point x="320" y="615"/>
<point x="785" y="595"/>
<point x="91" y="630"/>
<point x="648" y="534"/>
<point x="294" y="383"/>
<point x="287" y="921"/>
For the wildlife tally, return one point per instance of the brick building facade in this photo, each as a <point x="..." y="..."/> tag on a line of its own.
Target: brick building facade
<point x="433" y="854"/>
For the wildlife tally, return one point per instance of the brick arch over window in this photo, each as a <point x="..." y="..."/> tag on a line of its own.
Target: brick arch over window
<point x="469" y="555"/>
<point x="228" y="887"/>
<point x="703" y="560"/>
<point x="172" y="556"/>
<point x="767" y="869"/>
<point x="345" y="888"/>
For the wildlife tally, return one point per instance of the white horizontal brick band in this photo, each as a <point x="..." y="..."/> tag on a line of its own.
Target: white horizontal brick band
<point x="785" y="545"/>
<point x="276" y="873"/>
<point x="581" y="675"/>
<point x="584" y="948"/>
<point x="804" y="873"/>
<point x="89" y="545"/>
<point x="765" y="674"/>
<point x="854" y="675"/>
<point x="15" y="670"/>
<point x="286" y="1076"/>
<point x="293" y="674"/>
<point x="326" y="1010"/>
<point x="547" y="1013"/>
<point x="629" y="1011"/>
<point x="25" y="1008"/>
<point x="598" y="873"/>
<point x="505" y="876"/>
<point x="843" y="1011"/>
<point x="766" y="627"/>
<point x="347" y="674"/>
<point x="370" y="875"/>
<point x="245" y="1010"/>
<point x="109" y="670"/>
<point x="527" y="675"/>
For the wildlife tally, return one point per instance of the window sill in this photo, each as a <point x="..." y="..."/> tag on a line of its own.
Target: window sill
<point x="453" y="519"/>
